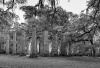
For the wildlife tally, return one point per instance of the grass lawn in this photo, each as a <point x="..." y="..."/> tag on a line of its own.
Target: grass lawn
<point x="8" y="61"/>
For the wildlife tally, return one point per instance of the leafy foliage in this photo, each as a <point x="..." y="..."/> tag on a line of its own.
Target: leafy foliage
<point x="6" y="19"/>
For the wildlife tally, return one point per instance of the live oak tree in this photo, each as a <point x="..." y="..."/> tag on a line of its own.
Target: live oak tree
<point x="78" y="28"/>
<point x="6" y="20"/>
<point x="7" y="17"/>
<point x="94" y="5"/>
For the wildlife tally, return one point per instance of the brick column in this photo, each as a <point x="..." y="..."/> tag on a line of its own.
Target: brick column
<point x="14" y="43"/>
<point x="54" y="51"/>
<point x="46" y="43"/>
<point x="22" y="51"/>
<point x="33" y="44"/>
<point x="63" y="48"/>
<point x="7" y="44"/>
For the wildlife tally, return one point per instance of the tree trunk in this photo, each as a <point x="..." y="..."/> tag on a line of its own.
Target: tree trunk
<point x="54" y="51"/>
<point x="7" y="44"/>
<point x="33" y="44"/>
<point x="14" y="43"/>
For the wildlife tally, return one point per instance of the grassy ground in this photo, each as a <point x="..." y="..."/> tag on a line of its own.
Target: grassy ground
<point x="7" y="61"/>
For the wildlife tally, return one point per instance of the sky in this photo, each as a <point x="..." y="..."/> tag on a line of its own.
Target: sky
<point x="75" y="6"/>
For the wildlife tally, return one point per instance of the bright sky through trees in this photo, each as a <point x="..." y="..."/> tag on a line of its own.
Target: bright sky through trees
<point x="75" y="6"/>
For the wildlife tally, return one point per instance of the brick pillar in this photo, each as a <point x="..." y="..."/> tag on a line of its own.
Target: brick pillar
<point x="14" y="43"/>
<point x="97" y="51"/>
<point x="54" y="51"/>
<point x="22" y="44"/>
<point x="63" y="48"/>
<point x="7" y="44"/>
<point x="33" y="44"/>
<point x="41" y="46"/>
<point x="46" y="43"/>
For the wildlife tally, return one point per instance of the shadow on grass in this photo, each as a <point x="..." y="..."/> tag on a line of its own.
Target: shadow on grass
<point x="83" y="59"/>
